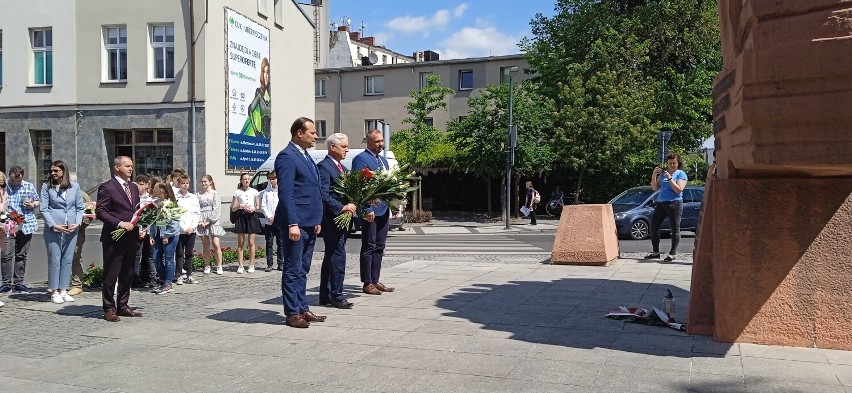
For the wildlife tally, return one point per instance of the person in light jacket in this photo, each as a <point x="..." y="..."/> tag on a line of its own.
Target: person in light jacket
<point x="62" y="208"/>
<point x="189" y="220"/>
<point x="268" y="204"/>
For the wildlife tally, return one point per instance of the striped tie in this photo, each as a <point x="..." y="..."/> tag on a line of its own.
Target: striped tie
<point x="127" y="190"/>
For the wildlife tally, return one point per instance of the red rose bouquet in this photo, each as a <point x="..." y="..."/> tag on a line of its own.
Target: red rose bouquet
<point x="365" y="187"/>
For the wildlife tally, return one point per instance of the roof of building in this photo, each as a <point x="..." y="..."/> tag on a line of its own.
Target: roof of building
<point x="423" y="63"/>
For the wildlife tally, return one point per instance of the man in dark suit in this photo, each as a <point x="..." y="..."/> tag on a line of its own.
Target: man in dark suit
<point x="117" y="201"/>
<point x="334" y="262"/>
<point x="374" y="228"/>
<point x="299" y="214"/>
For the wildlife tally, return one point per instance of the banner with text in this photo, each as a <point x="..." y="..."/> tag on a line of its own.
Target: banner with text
<point x="249" y="94"/>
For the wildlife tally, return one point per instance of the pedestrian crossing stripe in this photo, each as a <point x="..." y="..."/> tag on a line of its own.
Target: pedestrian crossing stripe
<point x="466" y="246"/>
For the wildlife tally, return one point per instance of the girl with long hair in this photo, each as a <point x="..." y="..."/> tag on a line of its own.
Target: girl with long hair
<point x="244" y="204"/>
<point x="164" y="239"/>
<point x="209" y="228"/>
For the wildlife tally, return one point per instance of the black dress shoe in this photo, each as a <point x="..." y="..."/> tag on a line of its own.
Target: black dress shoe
<point x="342" y="304"/>
<point x="110" y="316"/>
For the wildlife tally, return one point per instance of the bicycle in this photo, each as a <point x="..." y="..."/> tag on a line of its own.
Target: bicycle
<point x="554" y="207"/>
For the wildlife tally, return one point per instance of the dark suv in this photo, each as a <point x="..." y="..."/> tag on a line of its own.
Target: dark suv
<point x="633" y="210"/>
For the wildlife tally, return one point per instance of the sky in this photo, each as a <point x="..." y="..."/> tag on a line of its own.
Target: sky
<point x="454" y="29"/>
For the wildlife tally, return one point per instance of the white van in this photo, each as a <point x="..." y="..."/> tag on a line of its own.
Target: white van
<point x="259" y="182"/>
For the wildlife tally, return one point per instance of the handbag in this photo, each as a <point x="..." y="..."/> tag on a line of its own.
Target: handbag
<point x="234" y="216"/>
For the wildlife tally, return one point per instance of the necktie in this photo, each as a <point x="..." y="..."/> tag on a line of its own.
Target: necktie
<point x="127" y="190"/>
<point x="379" y="161"/>
<point x="340" y="167"/>
<point x="311" y="163"/>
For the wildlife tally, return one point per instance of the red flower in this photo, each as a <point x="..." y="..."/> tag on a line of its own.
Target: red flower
<point x="92" y="265"/>
<point x="367" y="173"/>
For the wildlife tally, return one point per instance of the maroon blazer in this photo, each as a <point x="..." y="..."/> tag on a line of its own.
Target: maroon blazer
<point x="113" y="206"/>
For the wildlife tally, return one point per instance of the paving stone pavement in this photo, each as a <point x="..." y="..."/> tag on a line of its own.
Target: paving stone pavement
<point x="469" y="324"/>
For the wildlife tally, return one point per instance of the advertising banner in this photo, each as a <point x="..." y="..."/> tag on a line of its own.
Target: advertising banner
<point x="249" y="94"/>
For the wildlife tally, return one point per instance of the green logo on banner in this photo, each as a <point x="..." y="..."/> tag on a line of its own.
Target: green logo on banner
<point x="231" y="20"/>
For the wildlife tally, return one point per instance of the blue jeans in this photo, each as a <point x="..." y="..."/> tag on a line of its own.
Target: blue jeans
<point x="296" y="266"/>
<point x="273" y="238"/>
<point x="164" y="258"/>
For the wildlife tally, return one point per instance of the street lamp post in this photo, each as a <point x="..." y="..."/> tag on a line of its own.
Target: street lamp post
<point x="510" y="156"/>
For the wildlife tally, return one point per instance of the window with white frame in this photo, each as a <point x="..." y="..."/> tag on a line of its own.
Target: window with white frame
<point x="374" y="85"/>
<point x="321" y="130"/>
<point x="319" y="88"/>
<point x="424" y="79"/>
<point x="42" y="44"/>
<point x="384" y="59"/>
<point x="465" y="79"/>
<point x="372" y="124"/>
<point x="115" y="45"/>
<point x="279" y="12"/>
<point x="163" y="48"/>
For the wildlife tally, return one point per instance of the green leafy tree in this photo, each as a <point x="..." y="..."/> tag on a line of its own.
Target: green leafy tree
<point x="422" y="145"/>
<point x="618" y="72"/>
<point x="481" y="138"/>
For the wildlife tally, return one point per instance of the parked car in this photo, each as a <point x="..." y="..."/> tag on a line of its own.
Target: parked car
<point x="634" y="207"/>
<point x="259" y="182"/>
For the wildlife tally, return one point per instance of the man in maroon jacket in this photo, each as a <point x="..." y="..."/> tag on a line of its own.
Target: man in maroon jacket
<point x="118" y="199"/>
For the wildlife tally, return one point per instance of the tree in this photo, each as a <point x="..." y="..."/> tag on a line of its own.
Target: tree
<point x="481" y="138"/>
<point x="422" y="145"/>
<point x="619" y="71"/>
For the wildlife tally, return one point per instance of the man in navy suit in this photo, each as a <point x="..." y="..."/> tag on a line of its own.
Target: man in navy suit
<point x="334" y="262"/>
<point x="374" y="228"/>
<point x="117" y="201"/>
<point x="299" y="214"/>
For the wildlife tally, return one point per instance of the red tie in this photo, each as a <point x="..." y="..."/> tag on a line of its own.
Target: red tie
<point x="127" y="190"/>
<point x="340" y="167"/>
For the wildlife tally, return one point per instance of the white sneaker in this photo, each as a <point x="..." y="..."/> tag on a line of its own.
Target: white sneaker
<point x="57" y="298"/>
<point x="251" y="269"/>
<point x="183" y="276"/>
<point x="219" y="271"/>
<point x="179" y="281"/>
<point x="240" y="270"/>
<point x="207" y="270"/>
<point x="182" y="271"/>
<point x="66" y="297"/>
<point x="2" y="304"/>
<point x="191" y="280"/>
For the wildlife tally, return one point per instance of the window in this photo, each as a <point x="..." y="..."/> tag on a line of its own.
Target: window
<point x="374" y="85"/>
<point x="1" y="65"/>
<point x="320" y="125"/>
<point x="504" y="75"/>
<point x="151" y="150"/>
<point x="279" y="12"/>
<point x="424" y="76"/>
<point x="43" y="141"/>
<point x="115" y="44"/>
<point x="461" y="118"/>
<point x="372" y="124"/>
<point x="465" y="80"/>
<point x="384" y="59"/>
<point x="42" y="42"/>
<point x="429" y="121"/>
<point x="163" y="46"/>
<point x="319" y="88"/>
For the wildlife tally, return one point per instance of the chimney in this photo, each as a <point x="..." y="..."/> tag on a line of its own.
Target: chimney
<point x="343" y="28"/>
<point x="355" y="36"/>
<point x="371" y="41"/>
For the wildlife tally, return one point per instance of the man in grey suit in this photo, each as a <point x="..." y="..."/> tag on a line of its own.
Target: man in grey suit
<point x="334" y="262"/>
<point x="299" y="214"/>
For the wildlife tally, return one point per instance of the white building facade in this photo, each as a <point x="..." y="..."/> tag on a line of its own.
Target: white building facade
<point x="170" y="83"/>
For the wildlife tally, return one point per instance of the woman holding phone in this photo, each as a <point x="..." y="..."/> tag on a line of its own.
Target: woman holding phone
<point x="62" y="208"/>
<point x="671" y="183"/>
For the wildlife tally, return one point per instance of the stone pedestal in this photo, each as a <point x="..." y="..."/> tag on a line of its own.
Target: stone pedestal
<point x="586" y="236"/>
<point x="774" y="260"/>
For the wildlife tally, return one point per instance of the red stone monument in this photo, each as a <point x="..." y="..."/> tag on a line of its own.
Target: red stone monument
<point x="773" y="262"/>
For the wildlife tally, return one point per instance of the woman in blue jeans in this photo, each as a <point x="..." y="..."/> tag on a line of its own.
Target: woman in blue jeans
<point x="164" y="239"/>
<point x="671" y="183"/>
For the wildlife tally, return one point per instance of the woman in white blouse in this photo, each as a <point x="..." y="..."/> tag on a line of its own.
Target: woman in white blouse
<point x="245" y="204"/>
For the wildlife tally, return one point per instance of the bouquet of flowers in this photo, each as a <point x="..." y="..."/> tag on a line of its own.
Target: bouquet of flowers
<point x="156" y="212"/>
<point x="9" y="222"/>
<point x="365" y="187"/>
<point x="89" y="209"/>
